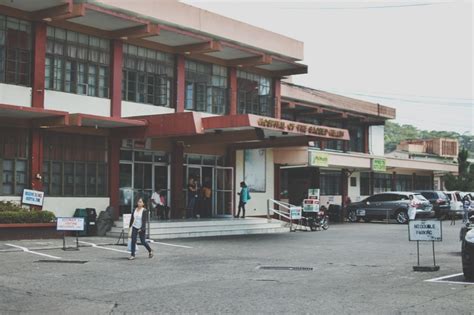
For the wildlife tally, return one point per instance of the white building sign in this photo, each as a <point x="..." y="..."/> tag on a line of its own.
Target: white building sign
<point x="425" y="230"/>
<point x="295" y="213"/>
<point x="32" y="197"/>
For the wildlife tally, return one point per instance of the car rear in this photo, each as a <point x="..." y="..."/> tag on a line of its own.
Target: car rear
<point x="424" y="208"/>
<point x="440" y="202"/>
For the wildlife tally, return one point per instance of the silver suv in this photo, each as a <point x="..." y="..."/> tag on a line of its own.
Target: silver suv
<point x="389" y="205"/>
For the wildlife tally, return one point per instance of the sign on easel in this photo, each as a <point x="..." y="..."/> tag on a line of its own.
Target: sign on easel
<point x="425" y="231"/>
<point x="70" y="224"/>
<point x="126" y="217"/>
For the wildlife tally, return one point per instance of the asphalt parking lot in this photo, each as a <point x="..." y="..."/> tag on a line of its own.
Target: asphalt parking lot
<point x="350" y="268"/>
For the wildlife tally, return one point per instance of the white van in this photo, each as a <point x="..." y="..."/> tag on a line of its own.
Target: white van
<point x="455" y="200"/>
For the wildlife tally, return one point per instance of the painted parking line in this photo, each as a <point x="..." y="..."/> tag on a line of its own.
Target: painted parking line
<point x="441" y="279"/>
<point x="103" y="247"/>
<point x="168" y="244"/>
<point x="26" y="250"/>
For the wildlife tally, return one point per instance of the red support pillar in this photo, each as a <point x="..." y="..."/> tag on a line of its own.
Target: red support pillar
<point x="39" y="55"/>
<point x="232" y="91"/>
<point x="180" y="83"/>
<point x="116" y="78"/>
<point x="231" y="162"/>
<point x="277" y="96"/>
<point x="114" y="171"/>
<point x="366" y="139"/>
<point x="36" y="161"/>
<point x="394" y="181"/>
<point x="277" y="182"/>
<point x="177" y="185"/>
<point x="37" y="101"/>
<point x="344" y="192"/>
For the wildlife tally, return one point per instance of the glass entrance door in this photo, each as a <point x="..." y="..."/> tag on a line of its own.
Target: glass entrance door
<point x="224" y="191"/>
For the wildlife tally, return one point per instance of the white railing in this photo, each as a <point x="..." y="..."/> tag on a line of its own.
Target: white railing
<point x="282" y="209"/>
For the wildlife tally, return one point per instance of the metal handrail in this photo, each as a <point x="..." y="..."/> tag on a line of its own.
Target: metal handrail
<point x="286" y="214"/>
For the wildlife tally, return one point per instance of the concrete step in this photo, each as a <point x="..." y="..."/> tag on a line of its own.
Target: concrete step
<point x="207" y="227"/>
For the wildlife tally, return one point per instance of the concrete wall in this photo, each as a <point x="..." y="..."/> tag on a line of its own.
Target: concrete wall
<point x="15" y="95"/>
<point x="258" y="204"/>
<point x="74" y="103"/>
<point x="376" y="140"/>
<point x="130" y="109"/>
<point x="65" y="206"/>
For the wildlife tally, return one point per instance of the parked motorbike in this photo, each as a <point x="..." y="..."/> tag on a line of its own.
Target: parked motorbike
<point x="467" y="249"/>
<point x="317" y="221"/>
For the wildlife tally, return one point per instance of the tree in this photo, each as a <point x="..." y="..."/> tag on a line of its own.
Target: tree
<point x="465" y="180"/>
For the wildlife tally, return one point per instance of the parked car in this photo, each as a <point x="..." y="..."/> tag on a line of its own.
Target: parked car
<point x="440" y="202"/>
<point x="389" y="204"/>
<point x="455" y="202"/>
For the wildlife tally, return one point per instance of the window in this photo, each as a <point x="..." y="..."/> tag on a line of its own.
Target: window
<point x="77" y="63"/>
<point x="353" y="181"/>
<point x="254" y="94"/>
<point x="13" y="161"/>
<point x="74" y="165"/>
<point x="423" y="182"/>
<point x="206" y="88"/>
<point x="336" y="145"/>
<point x="404" y="182"/>
<point x="382" y="182"/>
<point x="147" y="76"/>
<point x="365" y="184"/>
<point x="15" y="51"/>
<point x="356" y="142"/>
<point x="330" y="183"/>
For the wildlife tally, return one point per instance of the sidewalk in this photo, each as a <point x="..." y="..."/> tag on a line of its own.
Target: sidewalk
<point x="45" y="244"/>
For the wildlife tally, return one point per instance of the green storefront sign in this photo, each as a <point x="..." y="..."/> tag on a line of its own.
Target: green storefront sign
<point x="378" y="165"/>
<point x="318" y="159"/>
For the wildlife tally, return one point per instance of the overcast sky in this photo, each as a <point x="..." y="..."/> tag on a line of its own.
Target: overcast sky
<point x="416" y="56"/>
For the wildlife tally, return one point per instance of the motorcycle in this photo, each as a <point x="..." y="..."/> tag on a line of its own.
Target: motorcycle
<point x="317" y="221"/>
<point x="467" y="249"/>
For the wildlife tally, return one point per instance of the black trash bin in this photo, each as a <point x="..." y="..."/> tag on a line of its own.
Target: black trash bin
<point x="82" y="213"/>
<point x="92" y="222"/>
<point x="335" y="213"/>
<point x="90" y="218"/>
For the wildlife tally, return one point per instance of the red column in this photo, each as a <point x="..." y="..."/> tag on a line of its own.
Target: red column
<point x="177" y="185"/>
<point x="180" y="83"/>
<point x="116" y="78"/>
<point x="344" y="192"/>
<point x="37" y="101"/>
<point x="114" y="171"/>
<point x="36" y="161"/>
<point x="277" y="96"/>
<point x="366" y="139"/>
<point x="232" y="91"/>
<point x="39" y="55"/>
<point x="277" y="182"/>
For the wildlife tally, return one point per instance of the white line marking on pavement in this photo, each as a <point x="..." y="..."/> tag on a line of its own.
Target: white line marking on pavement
<point x="26" y="250"/>
<point x="440" y="279"/>
<point x="167" y="244"/>
<point x="103" y="247"/>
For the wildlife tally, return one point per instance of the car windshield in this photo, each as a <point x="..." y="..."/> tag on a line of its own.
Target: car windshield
<point x="449" y="196"/>
<point x="420" y="197"/>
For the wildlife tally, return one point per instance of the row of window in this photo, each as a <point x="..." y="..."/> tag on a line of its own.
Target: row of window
<point x="80" y="64"/>
<point x="383" y="182"/>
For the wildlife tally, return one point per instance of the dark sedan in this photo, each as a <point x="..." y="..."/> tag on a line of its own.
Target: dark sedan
<point x="389" y="205"/>
<point x="440" y="202"/>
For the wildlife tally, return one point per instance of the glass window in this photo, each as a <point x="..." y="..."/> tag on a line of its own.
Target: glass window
<point x="77" y="63"/>
<point x="330" y="183"/>
<point x="206" y="87"/>
<point x="336" y="145"/>
<point x="147" y="76"/>
<point x="254" y="94"/>
<point x="364" y="184"/>
<point x="15" y="51"/>
<point x="404" y="182"/>
<point x="74" y="165"/>
<point x="13" y="161"/>
<point x="356" y="142"/>
<point x="382" y="182"/>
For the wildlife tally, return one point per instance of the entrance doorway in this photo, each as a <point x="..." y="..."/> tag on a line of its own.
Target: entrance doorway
<point x="139" y="177"/>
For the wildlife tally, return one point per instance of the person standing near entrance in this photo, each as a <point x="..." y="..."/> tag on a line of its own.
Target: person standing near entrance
<point x="138" y="226"/>
<point x="412" y="208"/>
<point x="156" y="202"/>
<point x="192" y="196"/>
<point x="206" y="195"/>
<point x="244" y="198"/>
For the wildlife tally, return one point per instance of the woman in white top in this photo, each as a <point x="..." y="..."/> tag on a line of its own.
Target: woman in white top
<point x="412" y="208"/>
<point x="138" y="226"/>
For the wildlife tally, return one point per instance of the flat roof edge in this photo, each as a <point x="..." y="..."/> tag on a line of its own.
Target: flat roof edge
<point x="185" y="16"/>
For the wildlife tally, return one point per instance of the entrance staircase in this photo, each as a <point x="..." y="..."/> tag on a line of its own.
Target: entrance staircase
<point x="207" y="227"/>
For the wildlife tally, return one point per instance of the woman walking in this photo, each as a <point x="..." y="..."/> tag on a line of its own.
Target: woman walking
<point x="138" y="226"/>
<point x="244" y="198"/>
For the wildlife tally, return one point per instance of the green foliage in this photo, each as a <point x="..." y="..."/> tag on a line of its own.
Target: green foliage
<point x="25" y="216"/>
<point x="11" y="212"/>
<point x="395" y="133"/>
<point x="10" y="206"/>
<point x="465" y="180"/>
